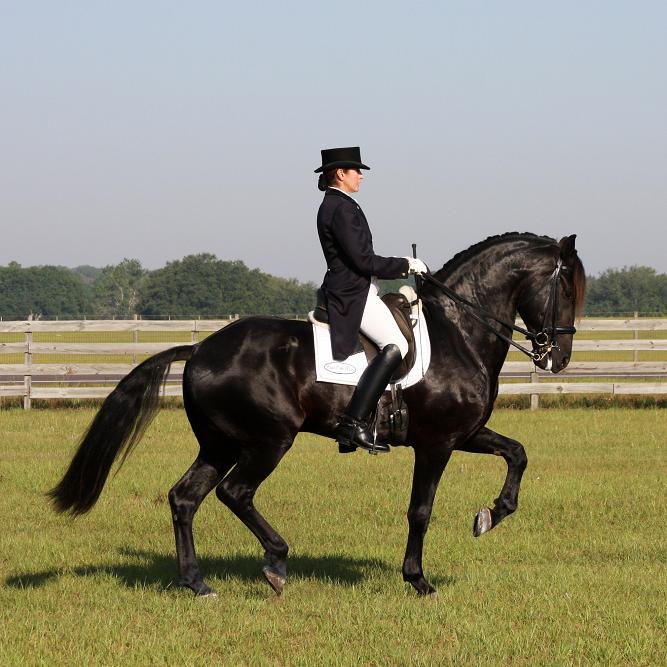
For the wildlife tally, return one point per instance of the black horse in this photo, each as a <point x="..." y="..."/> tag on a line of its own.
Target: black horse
<point x="250" y="388"/>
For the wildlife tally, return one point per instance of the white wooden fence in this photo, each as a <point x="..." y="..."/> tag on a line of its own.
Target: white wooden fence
<point x="95" y="380"/>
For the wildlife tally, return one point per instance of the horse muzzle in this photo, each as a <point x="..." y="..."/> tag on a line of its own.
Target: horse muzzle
<point x="554" y="360"/>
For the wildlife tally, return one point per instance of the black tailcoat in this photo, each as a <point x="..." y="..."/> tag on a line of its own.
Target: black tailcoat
<point x="347" y="244"/>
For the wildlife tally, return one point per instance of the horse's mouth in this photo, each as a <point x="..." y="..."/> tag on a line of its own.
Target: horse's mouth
<point x="555" y="365"/>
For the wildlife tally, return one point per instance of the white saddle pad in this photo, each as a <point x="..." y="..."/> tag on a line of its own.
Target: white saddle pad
<point x="350" y="370"/>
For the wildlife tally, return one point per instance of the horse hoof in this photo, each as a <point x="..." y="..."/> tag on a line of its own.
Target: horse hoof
<point x="424" y="589"/>
<point x="200" y="589"/>
<point x="212" y="595"/>
<point x="275" y="579"/>
<point x="483" y="522"/>
<point x="422" y="586"/>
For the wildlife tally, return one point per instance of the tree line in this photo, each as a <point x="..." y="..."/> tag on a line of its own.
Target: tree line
<point x="635" y="289"/>
<point x="203" y="286"/>
<point x="197" y="286"/>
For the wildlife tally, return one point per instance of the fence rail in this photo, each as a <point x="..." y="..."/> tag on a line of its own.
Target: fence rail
<point x="79" y="379"/>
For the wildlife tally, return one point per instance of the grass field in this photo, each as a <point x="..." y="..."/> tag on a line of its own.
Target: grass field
<point x="577" y="576"/>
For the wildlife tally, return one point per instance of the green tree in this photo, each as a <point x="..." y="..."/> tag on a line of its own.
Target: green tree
<point x="87" y="273"/>
<point x="117" y="290"/>
<point x="624" y="291"/>
<point x="204" y="286"/>
<point x="48" y="292"/>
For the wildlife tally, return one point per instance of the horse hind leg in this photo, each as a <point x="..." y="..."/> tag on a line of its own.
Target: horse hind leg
<point x="185" y="497"/>
<point x="237" y="491"/>
<point x="487" y="441"/>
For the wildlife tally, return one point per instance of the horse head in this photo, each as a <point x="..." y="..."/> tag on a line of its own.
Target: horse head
<point x="551" y="302"/>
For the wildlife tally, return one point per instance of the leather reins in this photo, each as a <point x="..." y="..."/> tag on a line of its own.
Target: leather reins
<point x="545" y="340"/>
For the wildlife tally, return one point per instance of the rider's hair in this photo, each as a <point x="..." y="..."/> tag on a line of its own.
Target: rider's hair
<point x="327" y="179"/>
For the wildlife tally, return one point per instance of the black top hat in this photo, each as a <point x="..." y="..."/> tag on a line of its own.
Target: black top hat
<point x="341" y="158"/>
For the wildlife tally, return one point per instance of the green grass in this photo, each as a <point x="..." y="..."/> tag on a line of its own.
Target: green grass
<point x="576" y="577"/>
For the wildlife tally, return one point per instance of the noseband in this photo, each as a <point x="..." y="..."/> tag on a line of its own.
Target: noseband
<point x="544" y="340"/>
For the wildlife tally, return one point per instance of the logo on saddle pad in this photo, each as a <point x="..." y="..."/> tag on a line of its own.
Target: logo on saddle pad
<point x="340" y="368"/>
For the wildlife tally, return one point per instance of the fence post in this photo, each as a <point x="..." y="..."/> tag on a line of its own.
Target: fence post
<point x="135" y="339"/>
<point x="534" y="398"/>
<point x="635" y="352"/>
<point x="27" y="378"/>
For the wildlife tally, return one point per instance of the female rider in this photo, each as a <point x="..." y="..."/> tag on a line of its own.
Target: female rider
<point x="351" y="292"/>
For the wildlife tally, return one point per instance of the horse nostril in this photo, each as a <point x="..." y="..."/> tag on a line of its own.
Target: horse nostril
<point x="566" y="361"/>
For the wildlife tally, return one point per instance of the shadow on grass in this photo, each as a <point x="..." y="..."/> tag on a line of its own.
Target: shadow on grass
<point x="153" y="569"/>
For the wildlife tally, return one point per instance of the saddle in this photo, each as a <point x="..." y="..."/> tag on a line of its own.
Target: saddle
<point x="400" y="307"/>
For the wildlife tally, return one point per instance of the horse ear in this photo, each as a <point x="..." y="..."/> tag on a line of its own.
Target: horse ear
<point x="567" y="249"/>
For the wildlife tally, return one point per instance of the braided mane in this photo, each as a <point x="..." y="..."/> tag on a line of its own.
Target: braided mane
<point x="475" y="249"/>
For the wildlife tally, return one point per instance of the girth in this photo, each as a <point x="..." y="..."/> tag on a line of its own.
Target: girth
<point x="400" y="308"/>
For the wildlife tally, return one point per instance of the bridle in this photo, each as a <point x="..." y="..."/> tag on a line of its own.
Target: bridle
<point x="544" y="340"/>
<point x="549" y="334"/>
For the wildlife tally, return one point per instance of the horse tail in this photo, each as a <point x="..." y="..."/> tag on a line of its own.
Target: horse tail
<point x="115" y="430"/>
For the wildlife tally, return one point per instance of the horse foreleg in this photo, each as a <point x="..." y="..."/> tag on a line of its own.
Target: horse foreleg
<point x="428" y="469"/>
<point x="490" y="442"/>
<point x="237" y="491"/>
<point x="184" y="499"/>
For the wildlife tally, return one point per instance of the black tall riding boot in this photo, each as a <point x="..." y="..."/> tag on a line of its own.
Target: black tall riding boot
<point x="353" y="430"/>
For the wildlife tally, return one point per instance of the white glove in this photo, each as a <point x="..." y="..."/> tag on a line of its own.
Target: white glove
<point x="416" y="266"/>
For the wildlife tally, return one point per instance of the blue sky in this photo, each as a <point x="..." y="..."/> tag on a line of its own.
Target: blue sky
<point x="153" y="130"/>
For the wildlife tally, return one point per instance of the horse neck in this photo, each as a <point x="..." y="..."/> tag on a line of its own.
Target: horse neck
<point x="491" y="279"/>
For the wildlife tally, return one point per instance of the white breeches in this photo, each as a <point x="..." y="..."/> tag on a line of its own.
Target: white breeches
<point x="379" y="324"/>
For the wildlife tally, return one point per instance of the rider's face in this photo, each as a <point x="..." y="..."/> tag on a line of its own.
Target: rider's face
<point x="349" y="179"/>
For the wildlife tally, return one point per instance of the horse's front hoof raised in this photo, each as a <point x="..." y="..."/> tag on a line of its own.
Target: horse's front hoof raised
<point x="483" y="522"/>
<point x="276" y="579"/>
